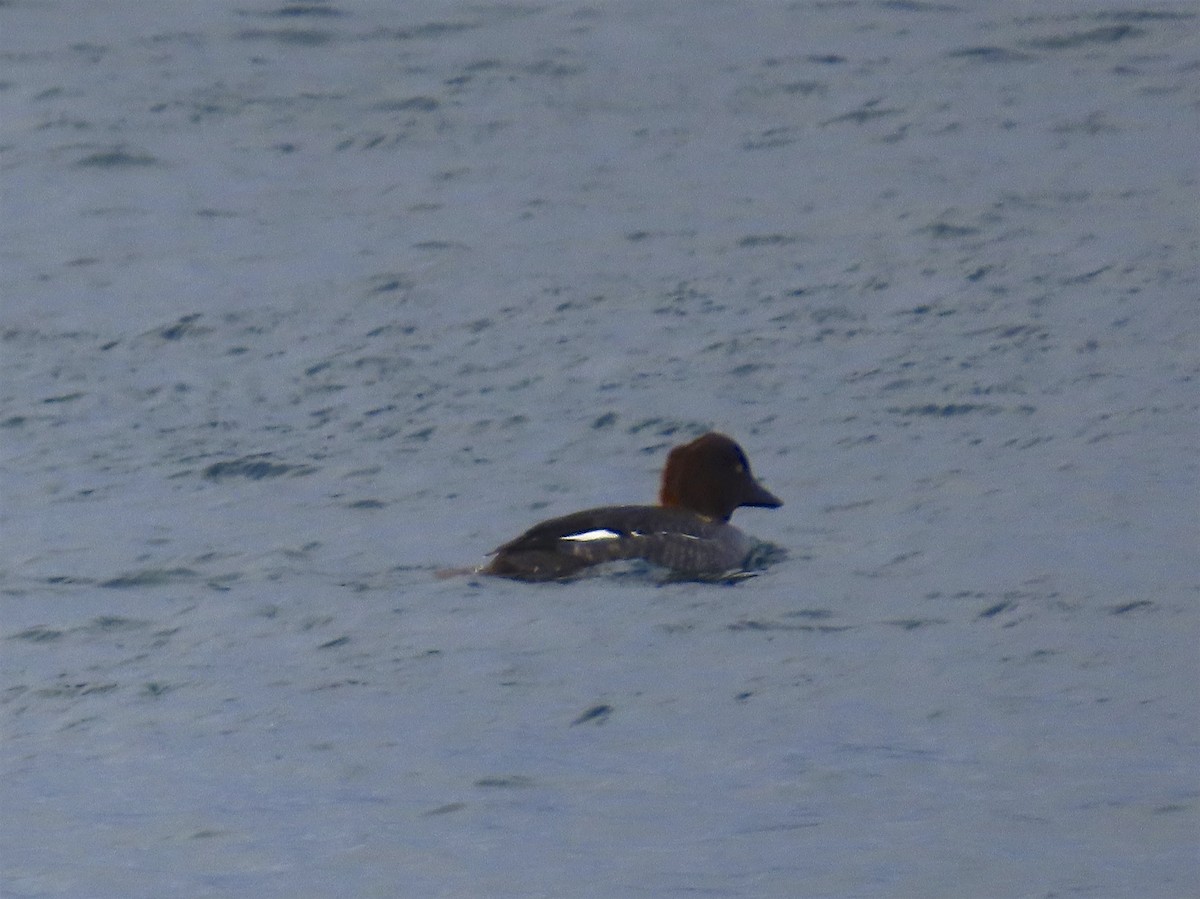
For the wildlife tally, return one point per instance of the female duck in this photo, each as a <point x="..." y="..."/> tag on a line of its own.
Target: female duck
<point x="688" y="532"/>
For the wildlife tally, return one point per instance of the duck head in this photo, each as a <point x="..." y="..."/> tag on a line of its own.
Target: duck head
<point x="711" y="476"/>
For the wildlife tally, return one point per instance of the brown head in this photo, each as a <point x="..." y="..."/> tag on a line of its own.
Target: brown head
<point x="711" y="475"/>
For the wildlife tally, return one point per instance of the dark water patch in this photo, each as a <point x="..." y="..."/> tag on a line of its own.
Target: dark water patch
<point x="84" y="722"/>
<point x="554" y="68"/>
<point x="1010" y="331"/>
<point x="107" y="624"/>
<point x="300" y="10"/>
<point x="762" y="625"/>
<point x="444" y="809"/>
<point x="1018" y="335"/>
<point x="946" y="410"/>
<point x="439" y="245"/>
<point x="68" y="580"/>
<point x="381" y="367"/>
<point x="336" y="685"/>
<point x="1024" y="443"/>
<point x="63" y="398"/>
<point x="1085" y="277"/>
<point x="866" y="113"/>
<point x="117" y="159"/>
<point x="597" y="714"/>
<point x="70" y="691"/>
<point x="13" y="421"/>
<point x="919" y="6"/>
<point x="366" y="504"/>
<point x="37" y="634"/>
<point x="993" y="610"/>
<point x="927" y="309"/>
<point x="394" y="327"/>
<point x="889" y="751"/>
<point x="1126" y="608"/>
<point x="780" y="828"/>
<point x="1095" y="123"/>
<point x="912" y="624"/>
<point x="1143" y="15"/>
<point x="150" y="577"/>
<point x="945" y="230"/>
<point x="16" y="691"/>
<point x="256" y="468"/>
<point x="662" y="427"/>
<point x="92" y="52"/>
<point x="788" y="88"/>
<point x="1042" y="655"/>
<point x="827" y="315"/>
<point x="605" y="421"/>
<point x="749" y="368"/>
<point x="802" y="88"/>
<point x="847" y="507"/>
<point x="186" y="326"/>
<point x="334" y="643"/>
<point x="1171" y="808"/>
<point x="371" y="141"/>
<point x="312" y="622"/>
<point x="408" y="104"/>
<point x="679" y="627"/>
<point x="426" y="31"/>
<point x="484" y="65"/>
<point x="290" y="37"/>
<point x="989" y="54"/>
<point x="862" y="440"/>
<point x="391" y="284"/>
<point x="1109" y="34"/>
<point x="811" y="614"/>
<point x="505" y="781"/>
<point x="766" y="240"/>
<point x="637" y="236"/>
<point x="770" y="139"/>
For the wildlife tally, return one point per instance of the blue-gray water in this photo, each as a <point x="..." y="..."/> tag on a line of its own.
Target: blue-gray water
<point x="303" y="303"/>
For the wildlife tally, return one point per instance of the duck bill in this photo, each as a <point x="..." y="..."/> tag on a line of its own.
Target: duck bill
<point x="758" y="495"/>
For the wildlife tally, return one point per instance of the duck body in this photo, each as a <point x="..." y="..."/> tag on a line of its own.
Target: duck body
<point x="688" y="532"/>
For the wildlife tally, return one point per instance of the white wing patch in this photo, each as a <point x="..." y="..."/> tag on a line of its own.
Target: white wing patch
<point x="588" y="536"/>
<point x="606" y="534"/>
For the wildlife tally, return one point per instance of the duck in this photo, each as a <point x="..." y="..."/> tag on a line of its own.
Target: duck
<point x="688" y="532"/>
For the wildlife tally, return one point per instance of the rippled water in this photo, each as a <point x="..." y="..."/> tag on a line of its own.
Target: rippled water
<point x="305" y="303"/>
